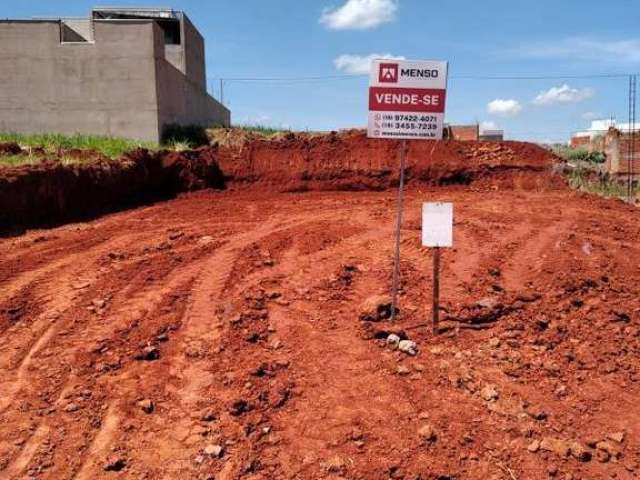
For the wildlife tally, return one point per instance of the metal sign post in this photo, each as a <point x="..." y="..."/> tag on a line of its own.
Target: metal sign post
<point x="396" y="258"/>
<point x="437" y="232"/>
<point x="406" y="101"/>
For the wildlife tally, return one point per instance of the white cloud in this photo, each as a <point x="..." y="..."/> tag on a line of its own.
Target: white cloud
<point x="488" y="125"/>
<point x="359" y="14"/>
<point x="583" y="48"/>
<point x="591" y="116"/>
<point x="258" y="119"/>
<point x="505" y="107"/>
<point x="562" y="94"/>
<point x="356" y="64"/>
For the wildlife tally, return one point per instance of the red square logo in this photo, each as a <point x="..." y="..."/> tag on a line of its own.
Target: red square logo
<point x="388" y="73"/>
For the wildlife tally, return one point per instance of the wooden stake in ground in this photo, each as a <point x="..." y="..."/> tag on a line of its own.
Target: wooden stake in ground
<point x="436" y="289"/>
<point x="396" y="259"/>
<point x="437" y="232"/>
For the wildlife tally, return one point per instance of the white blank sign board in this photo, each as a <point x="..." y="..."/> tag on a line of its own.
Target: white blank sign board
<point x="437" y="224"/>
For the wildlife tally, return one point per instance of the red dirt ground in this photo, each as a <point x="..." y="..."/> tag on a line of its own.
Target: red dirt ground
<point x="236" y="314"/>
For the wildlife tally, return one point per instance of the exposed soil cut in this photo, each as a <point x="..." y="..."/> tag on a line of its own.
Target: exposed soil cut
<point x="51" y="193"/>
<point x="351" y="161"/>
<point x="245" y="334"/>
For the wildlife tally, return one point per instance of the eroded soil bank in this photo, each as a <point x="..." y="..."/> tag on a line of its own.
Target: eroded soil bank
<point x="51" y="192"/>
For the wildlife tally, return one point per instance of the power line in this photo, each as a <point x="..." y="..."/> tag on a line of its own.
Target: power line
<point x="452" y="77"/>
<point x="541" y="77"/>
<point x="291" y="79"/>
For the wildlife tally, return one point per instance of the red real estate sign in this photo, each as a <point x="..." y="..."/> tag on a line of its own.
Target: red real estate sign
<point x="385" y="99"/>
<point x="407" y="99"/>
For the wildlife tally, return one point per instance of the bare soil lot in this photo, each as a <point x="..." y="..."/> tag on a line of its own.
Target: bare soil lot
<point x="219" y="334"/>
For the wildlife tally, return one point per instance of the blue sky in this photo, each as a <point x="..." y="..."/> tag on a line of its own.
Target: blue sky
<point x="305" y="38"/>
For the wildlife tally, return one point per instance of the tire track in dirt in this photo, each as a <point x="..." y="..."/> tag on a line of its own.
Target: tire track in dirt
<point x="316" y="261"/>
<point x="334" y="354"/>
<point x="99" y="445"/>
<point x="75" y="345"/>
<point x="64" y="302"/>
<point x="198" y="332"/>
<point x="196" y="371"/>
<point x="528" y="259"/>
<point x="57" y="294"/>
<point x="203" y="328"/>
<point x="20" y="463"/>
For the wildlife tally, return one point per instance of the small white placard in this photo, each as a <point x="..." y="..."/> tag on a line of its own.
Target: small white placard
<point x="437" y="224"/>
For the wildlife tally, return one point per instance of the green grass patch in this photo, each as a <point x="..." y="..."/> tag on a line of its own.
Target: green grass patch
<point x="578" y="154"/>
<point x="51" y="142"/>
<point x="588" y="180"/>
<point x="29" y="159"/>
<point x="263" y="130"/>
<point x="17" y="160"/>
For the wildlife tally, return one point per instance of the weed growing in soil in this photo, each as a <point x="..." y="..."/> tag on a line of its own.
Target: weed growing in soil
<point x="17" y="160"/>
<point x="572" y="154"/>
<point x="588" y="180"/>
<point x="34" y="159"/>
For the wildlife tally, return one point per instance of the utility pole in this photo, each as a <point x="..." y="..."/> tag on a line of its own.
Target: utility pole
<point x="631" y="137"/>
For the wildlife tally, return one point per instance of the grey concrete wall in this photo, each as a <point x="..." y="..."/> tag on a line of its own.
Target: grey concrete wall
<point x="120" y="85"/>
<point x="80" y="28"/>
<point x="194" y="61"/>
<point x="183" y="102"/>
<point x="106" y="87"/>
<point x="174" y="54"/>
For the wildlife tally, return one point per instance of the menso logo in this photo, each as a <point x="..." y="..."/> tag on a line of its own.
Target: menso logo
<point x="388" y="73"/>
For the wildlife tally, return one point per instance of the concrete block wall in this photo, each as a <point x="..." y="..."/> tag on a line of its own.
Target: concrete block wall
<point x="617" y="151"/>
<point x="121" y="84"/>
<point x="105" y="87"/>
<point x="194" y="62"/>
<point x="183" y="102"/>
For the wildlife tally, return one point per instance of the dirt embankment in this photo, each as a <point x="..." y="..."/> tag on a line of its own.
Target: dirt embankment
<point x="351" y="161"/>
<point x="50" y="192"/>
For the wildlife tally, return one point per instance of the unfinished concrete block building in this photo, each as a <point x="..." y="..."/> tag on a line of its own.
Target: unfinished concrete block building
<point x="123" y="72"/>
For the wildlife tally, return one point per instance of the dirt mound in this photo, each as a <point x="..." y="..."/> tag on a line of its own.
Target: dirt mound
<point x="50" y="192"/>
<point x="192" y="170"/>
<point x="351" y="161"/>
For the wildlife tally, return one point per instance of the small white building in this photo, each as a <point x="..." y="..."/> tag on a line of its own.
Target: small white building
<point x="600" y="127"/>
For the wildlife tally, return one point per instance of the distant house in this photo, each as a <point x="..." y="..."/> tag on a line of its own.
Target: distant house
<point x="126" y="72"/>
<point x="592" y="138"/>
<point x="580" y="141"/>
<point x="462" y="132"/>
<point x="492" y="135"/>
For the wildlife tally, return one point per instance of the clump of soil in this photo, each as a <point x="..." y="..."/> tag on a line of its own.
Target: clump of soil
<point x="10" y="148"/>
